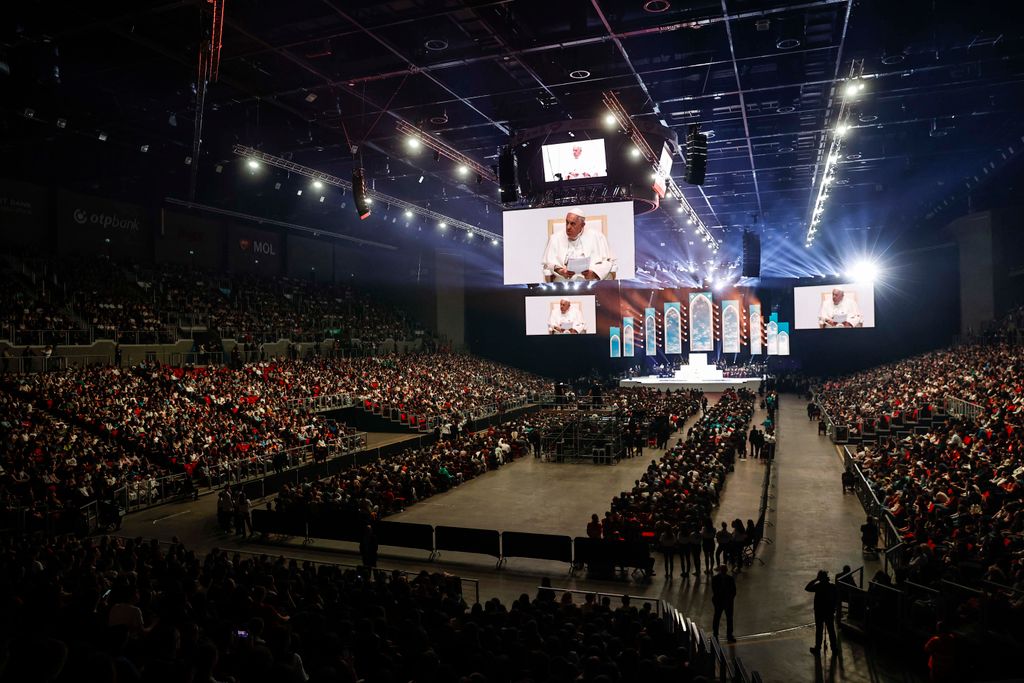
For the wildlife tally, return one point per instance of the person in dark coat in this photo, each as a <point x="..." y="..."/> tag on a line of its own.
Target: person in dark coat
<point x="723" y="595"/>
<point x="368" y="547"/>
<point x="825" y="601"/>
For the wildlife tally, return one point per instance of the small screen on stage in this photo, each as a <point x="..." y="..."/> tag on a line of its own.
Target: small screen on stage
<point x="557" y="315"/>
<point x="834" y="307"/>
<point x="574" y="160"/>
<point x="563" y="243"/>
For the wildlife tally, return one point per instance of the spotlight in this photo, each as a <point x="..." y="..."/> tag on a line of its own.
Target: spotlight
<point x="689" y="221"/>
<point x="610" y="120"/>
<point x="462" y="169"/>
<point x="30" y="113"/>
<point x="442" y="225"/>
<point x="102" y="136"/>
<point x="852" y="89"/>
<point x="413" y="142"/>
<point x="253" y="164"/>
<point x="62" y="123"/>
<point x="143" y="148"/>
<point x="369" y="200"/>
<point x="408" y="213"/>
<point x="298" y="193"/>
<point x="679" y="209"/>
<point x="188" y="161"/>
<point x="317" y="184"/>
<point x="634" y="152"/>
<point x="322" y="198"/>
<point x="842" y="130"/>
<point x="494" y="242"/>
<point x="469" y="234"/>
<point x="420" y="180"/>
<point x="863" y="270"/>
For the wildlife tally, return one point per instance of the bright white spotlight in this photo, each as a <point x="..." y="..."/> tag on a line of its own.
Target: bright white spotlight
<point x="679" y="209"/>
<point x="442" y="225"/>
<point x="842" y="130"/>
<point x="462" y="169"/>
<point x="317" y="184"/>
<point x="851" y="90"/>
<point x="634" y="152"/>
<point x="253" y="164"/>
<point x="413" y="142"/>
<point x="863" y="270"/>
<point x="408" y="213"/>
<point x="610" y="120"/>
<point x="494" y="242"/>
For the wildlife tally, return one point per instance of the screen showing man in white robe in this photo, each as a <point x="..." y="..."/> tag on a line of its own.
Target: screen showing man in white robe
<point x="577" y="253"/>
<point x="566" y="319"/>
<point x="840" y="311"/>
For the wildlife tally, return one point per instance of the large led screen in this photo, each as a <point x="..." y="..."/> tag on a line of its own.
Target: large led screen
<point x="556" y="244"/>
<point x="574" y="160"/>
<point x="557" y="315"/>
<point x="834" y="307"/>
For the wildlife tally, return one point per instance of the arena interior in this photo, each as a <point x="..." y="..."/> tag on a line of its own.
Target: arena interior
<point x="281" y="399"/>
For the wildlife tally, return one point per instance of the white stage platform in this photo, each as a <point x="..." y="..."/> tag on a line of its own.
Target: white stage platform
<point x="716" y="386"/>
<point x="697" y="374"/>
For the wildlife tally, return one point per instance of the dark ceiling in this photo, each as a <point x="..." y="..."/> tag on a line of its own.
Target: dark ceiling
<point x="307" y="79"/>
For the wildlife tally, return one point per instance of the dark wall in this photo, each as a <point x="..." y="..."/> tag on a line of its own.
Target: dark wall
<point x="190" y="240"/>
<point x="24" y="215"/>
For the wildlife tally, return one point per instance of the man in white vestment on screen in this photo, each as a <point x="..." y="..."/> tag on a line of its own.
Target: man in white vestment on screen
<point x="577" y="253"/>
<point x="839" y="311"/>
<point x="566" y="319"/>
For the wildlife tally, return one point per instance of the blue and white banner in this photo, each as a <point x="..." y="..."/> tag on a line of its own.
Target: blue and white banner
<point x="730" y="326"/>
<point x="783" y="341"/>
<point x="614" y="342"/>
<point x="755" y="329"/>
<point x="627" y="337"/>
<point x="702" y="322"/>
<point x="773" y="335"/>
<point x="673" y="328"/>
<point x="650" y="332"/>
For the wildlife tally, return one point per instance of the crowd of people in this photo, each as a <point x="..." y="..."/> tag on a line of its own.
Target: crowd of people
<point x="677" y="492"/>
<point x="105" y="610"/>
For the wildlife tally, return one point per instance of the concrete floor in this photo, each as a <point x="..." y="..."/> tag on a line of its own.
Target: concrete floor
<point x="813" y="526"/>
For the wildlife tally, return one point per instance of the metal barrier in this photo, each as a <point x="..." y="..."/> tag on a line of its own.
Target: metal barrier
<point x="961" y="408"/>
<point x="894" y="548"/>
<point x="319" y="404"/>
<point x="77" y="337"/>
<point x="660" y="606"/>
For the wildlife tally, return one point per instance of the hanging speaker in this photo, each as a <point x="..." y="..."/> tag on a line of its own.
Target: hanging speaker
<point x="751" y="254"/>
<point x="696" y="155"/>
<point x="359" y="193"/>
<point x="508" y="171"/>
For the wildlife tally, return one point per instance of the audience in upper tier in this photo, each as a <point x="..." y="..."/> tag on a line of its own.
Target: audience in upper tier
<point x="104" y="610"/>
<point x="101" y="299"/>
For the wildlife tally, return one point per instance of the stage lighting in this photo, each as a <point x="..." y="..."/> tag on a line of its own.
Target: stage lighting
<point x="442" y="225"/>
<point x="102" y="137"/>
<point x="62" y="123"/>
<point x="634" y="152"/>
<point x="842" y="130"/>
<point x="494" y="242"/>
<point x="680" y="209"/>
<point x="413" y="142"/>
<point x="408" y="213"/>
<point x="420" y="180"/>
<point x="610" y="120"/>
<point x="469" y="234"/>
<point x="253" y="164"/>
<point x="298" y="193"/>
<point x="317" y="184"/>
<point x="462" y="169"/>
<point x="863" y="270"/>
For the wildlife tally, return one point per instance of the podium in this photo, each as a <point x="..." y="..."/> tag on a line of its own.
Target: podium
<point x="698" y="370"/>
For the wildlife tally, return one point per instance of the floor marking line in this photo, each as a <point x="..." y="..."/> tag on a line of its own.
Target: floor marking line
<point x="160" y="519"/>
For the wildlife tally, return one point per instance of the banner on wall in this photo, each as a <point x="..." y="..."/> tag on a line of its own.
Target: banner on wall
<point x="673" y="328"/>
<point x="627" y="337"/>
<point x="254" y="251"/>
<point x="95" y="225"/>
<point x="772" y="335"/>
<point x="702" y="322"/>
<point x="755" y="329"/>
<point x="614" y="342"/>
<point x="730" y="326"/>
<point x="783" y="339"/>
<point x="650" y="332"/>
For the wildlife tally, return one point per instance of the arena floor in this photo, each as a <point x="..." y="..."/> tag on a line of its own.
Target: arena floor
<point x="814" y="526"/>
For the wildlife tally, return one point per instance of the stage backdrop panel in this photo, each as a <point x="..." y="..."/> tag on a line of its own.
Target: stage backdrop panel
<point x="627" y="337"/>
<point x="310" y="259"/>
<point x="254" y="251"/>
<point x="772" y="335"/>
<point x="614" y="342"/>
<point x="702" y="322"/>
<point x="755" y="329"/>
<point x="190" y="240"/>
<point x="527" y="233"/>
<point x="94" y="225"/>
<point x="544" y="313"/>
<point x="783" y="339"/>
<point x="673" y="328"/>
<point x="24" y="214"/>
<point x="730" y="326"/>
<point x="650" y="332"/>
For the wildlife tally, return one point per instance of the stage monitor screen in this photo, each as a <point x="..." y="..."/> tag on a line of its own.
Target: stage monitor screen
<point x="569" y="243"/>
<point x="558" y="315"/>
<point x="574" y="160"/>
<point x="834" y="307"/>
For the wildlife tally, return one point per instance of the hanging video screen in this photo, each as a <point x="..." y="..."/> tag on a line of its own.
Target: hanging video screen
<point x="574" y="160"/>
<point x="834" y="307"/>
<point x="559" y="315"/>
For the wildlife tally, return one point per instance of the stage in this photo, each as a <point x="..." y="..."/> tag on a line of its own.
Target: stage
<point x="696" y="374"/>
<point x="711" y="386"/>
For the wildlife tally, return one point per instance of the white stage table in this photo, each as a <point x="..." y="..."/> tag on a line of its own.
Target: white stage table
<point x="698" y="374"/>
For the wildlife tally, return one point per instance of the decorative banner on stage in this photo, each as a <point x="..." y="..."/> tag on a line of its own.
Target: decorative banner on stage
<point x="650" y="332"/>
<point x="730" y="326"/>
<point x="773" y="335"/>
<point x="627" y="337"/>
<point x="673" y="328"/>
<point x="614" y="342"/>
<point x="783" y="339"/>
<point x="755" y="329"/>
<point x="702" y="322"/>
